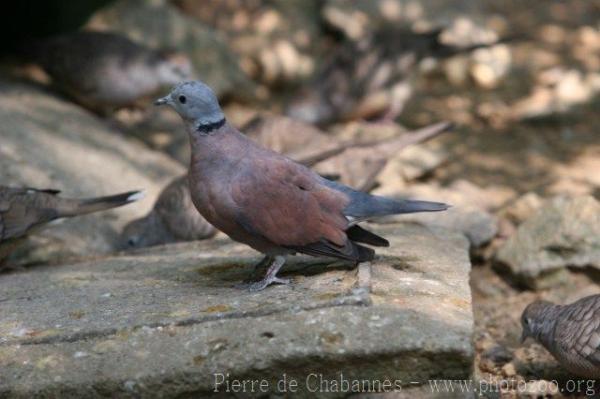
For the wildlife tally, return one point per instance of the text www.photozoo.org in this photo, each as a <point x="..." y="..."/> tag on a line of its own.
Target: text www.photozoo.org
<point x="316" y="382"/>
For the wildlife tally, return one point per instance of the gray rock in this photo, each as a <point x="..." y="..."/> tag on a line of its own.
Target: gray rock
<point x="477" y="225"/>
<point x="469" y="213"/>
<point x="158" y="24"/>
<point x="563" y="232"/>
<point x="161" y="322"/>
<point x="50" y="143"/>
<point x="522" y="208"/>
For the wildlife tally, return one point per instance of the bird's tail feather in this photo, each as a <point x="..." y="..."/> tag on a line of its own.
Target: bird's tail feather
<point x="358" y="234"/>
<point x="365" y="254"/>
<point x="412" y="206"/>
<point x="364" y="205"/>
<point x="81" y="207"/>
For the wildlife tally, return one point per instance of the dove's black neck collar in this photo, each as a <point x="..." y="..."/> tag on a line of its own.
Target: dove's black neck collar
<point x="207" y="128"/>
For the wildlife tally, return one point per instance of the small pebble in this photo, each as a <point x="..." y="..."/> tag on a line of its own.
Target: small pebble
<point x="508" y="370"/>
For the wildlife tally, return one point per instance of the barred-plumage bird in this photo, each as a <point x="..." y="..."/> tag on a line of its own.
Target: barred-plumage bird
<point x="570" y="332"/>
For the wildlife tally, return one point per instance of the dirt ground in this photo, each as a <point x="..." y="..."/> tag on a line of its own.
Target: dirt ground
<point x="550" y="155"/>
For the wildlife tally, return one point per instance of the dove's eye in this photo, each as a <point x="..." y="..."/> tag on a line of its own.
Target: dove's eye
<point x="182" y="99"/>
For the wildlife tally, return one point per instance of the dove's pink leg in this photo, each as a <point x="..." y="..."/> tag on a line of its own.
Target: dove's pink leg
<point x="270" y="276"/>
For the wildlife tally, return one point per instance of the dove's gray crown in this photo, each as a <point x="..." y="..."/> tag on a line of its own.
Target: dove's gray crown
<point x="538" y="320"/>
<point x="197" y="104"/>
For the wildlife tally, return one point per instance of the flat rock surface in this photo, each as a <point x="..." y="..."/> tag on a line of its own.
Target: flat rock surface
<point x="165" y="322"/>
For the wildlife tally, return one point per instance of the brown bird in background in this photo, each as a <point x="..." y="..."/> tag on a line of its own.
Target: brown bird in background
<point x="105" y="71"/>
<point x="172" y="219"/>
<point x="25" y="210"/>
<point x="570" y="332"/>
<point x="269" y="202"/>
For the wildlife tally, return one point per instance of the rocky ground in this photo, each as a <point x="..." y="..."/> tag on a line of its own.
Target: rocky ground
<point x="80" y="316"/>
<point x="169" y="321"/>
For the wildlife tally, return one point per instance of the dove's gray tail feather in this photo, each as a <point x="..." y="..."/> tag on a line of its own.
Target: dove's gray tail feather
<point x="81" y="207"/>
<point x="364" y="205"/>
<point x="387" y="206"/>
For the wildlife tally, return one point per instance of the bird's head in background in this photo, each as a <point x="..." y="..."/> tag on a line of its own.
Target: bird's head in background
<point x="144" y="232"/>
<point x="172" y="67"/>
<point x="534" y="321"/>
<point x="197" y="105"/>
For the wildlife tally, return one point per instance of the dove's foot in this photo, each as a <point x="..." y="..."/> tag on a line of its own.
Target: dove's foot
<point x="260" y="269"/>
<point x="264" y="283"/>
<point x="254" y="286"/>
<point x="270" y="276"/>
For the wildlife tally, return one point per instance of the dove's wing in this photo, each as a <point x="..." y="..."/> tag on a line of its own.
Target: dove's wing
<point x="578" y="332"/>
<point x="286" y="203"/>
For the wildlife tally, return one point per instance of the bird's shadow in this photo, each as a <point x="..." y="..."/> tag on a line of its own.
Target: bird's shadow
<point x="223" y="274"/>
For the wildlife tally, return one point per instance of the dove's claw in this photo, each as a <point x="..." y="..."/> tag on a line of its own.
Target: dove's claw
<point x="270" y="276"/>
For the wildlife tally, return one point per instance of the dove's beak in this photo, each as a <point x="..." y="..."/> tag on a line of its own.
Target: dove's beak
<point x="162" y="101"/>
<point x="523" y="337"/>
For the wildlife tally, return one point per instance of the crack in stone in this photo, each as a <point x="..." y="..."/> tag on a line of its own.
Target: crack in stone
<point x="359" y="297"/>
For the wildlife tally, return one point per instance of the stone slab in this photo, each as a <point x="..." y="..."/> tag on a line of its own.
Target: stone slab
<point x="163" y="322"/>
